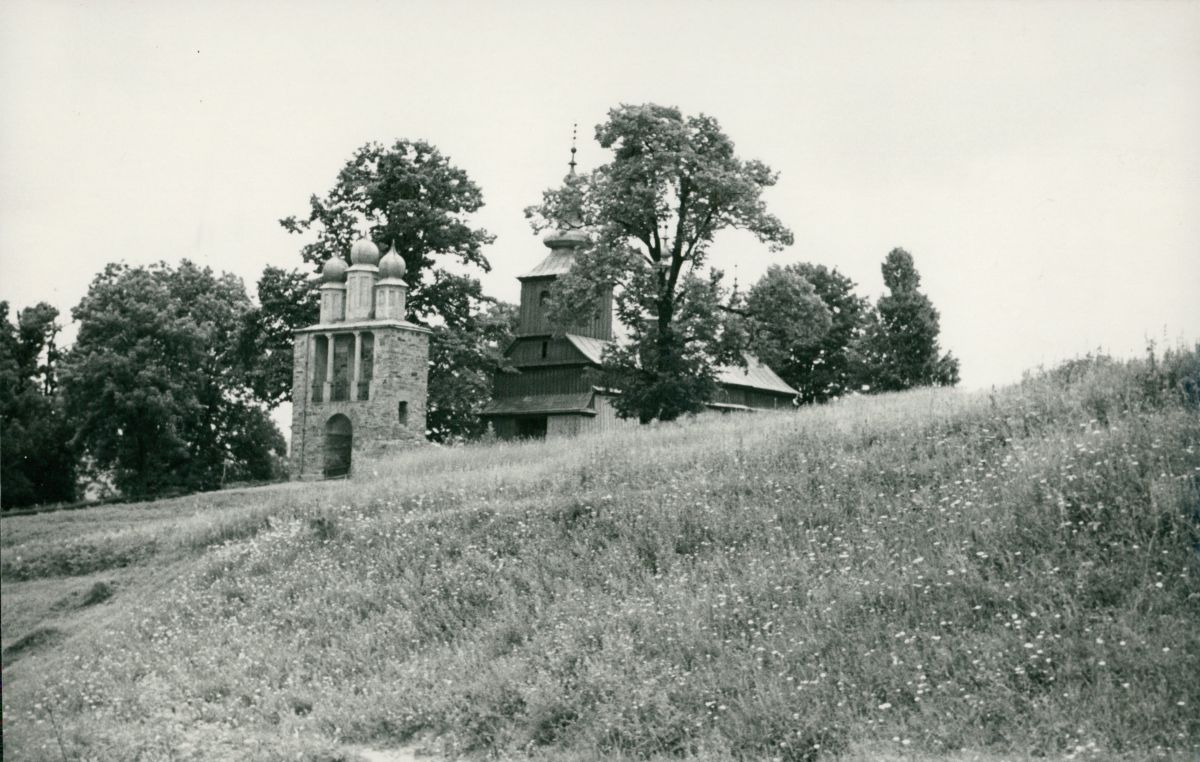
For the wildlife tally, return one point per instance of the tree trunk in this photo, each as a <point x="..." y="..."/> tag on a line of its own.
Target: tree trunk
<point x="666" y="310"/>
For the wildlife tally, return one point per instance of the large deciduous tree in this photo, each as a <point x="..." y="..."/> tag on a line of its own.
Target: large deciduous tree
<point x="37" y="464"/>
<point x="411" y="196"/>
<point x="671" y="184"/>
<point x="666" y="379"/>
<point x="788" y="320"/>
<point x="823" y="358"/>
<point x="153" y="384"/>
<point x="462" y="362"/>
<point x="901" y="345"/>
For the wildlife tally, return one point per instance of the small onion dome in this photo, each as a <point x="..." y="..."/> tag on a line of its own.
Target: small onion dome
<point x="563" y="239"/>
<point x="392" y="265"/>
<point x="334" y="270"/>
<point x="364" y="252"/>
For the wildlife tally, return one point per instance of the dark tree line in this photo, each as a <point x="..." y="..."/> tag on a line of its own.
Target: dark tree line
<point x="154" y="396"/>
<point x="175" y="369"/>
<point x="36" y="465"/>
<point x="156" y="388"/>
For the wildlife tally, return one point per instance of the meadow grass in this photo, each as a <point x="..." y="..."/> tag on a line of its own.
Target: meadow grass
<point x="928" y="575"/>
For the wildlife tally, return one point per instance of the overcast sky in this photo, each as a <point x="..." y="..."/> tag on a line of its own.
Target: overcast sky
<point x="1040" y="160"/>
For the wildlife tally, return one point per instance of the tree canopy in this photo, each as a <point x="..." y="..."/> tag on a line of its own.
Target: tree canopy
<point x="901" y="346"/>
<point x="462" y="362"/>
<point x="788" y="320"/>
<point x="287" y="300"/>
<point x="153" y="385"/>
<point x="823" y="357"/>
<point x="672" y="182"/>
<point x="409" y="195"/>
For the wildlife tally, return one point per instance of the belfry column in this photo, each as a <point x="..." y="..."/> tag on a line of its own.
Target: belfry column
<point x="357" y="364"/>
<point x="328" y="387"/>
<point x="311" y="376"/>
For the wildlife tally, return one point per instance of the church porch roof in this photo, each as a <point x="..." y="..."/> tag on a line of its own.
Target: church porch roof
<point x="755" y="375"/>
<point x="541" y="404"/>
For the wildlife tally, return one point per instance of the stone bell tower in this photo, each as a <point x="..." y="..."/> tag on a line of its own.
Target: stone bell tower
<point x="360" y="375"/>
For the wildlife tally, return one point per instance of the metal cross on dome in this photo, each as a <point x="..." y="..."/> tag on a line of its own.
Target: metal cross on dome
<point x="571" y="164"/>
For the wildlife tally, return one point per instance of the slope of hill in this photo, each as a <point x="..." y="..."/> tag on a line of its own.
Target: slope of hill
<point x="915" y="574"/>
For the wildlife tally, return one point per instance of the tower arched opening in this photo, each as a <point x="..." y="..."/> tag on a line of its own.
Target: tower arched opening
<point x="339" y="439"/>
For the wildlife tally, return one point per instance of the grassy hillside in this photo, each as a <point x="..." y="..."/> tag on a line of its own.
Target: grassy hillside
<point x="909" y="576"/>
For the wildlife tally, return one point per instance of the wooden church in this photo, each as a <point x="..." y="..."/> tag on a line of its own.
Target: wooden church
<point x="555" y="390"/>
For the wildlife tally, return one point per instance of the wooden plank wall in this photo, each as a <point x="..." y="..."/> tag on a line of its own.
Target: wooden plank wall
<point x="565" y="425"/>
<point x="549" y="380"/>
<point x="606" y="415"/>
<point x="533" y="312"/>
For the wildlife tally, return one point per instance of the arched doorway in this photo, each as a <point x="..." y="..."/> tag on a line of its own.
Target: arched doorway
<point x="338" y="439"/>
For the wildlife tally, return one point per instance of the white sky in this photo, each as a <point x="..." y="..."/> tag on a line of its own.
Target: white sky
<point x="1040" y="160"/>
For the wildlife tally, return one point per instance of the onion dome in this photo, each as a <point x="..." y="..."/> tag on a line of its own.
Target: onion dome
<point x="392" y="265"/>
<point x="364" y="252"/>
<point x="334" y="270"/>
<point x="565" y="239"/>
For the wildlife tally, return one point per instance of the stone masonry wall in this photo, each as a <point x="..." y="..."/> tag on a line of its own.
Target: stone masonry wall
<point x="401" y="374"/>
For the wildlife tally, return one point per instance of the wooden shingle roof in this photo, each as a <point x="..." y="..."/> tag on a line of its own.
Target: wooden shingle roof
<point x="755" y="375"/>
<point x="592" y="349"/>
<point x="557" y="262"/>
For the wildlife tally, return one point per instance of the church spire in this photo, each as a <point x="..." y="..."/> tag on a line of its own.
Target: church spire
<point x="570" y="234"/>
<point x="571" y="164"/>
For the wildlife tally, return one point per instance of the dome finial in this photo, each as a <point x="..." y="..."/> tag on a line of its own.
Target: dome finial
<point x="334" y="270"/>
<point x="392" y="265"/>
<point x="364" y="252"/>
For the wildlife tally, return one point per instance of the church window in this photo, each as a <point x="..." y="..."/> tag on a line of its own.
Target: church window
<point x="545" y="349"/>
<point x="402" y="410"/>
